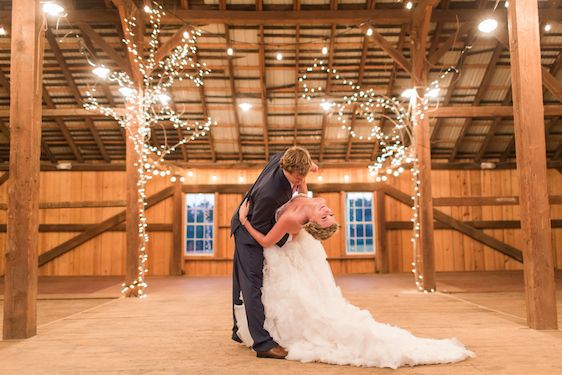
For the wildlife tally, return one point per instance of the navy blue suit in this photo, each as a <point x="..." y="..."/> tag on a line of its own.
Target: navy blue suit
<point x="270" y="191"/>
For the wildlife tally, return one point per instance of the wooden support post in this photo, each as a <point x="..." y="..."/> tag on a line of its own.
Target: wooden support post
<point x="381" y="249"/>
<point x="20" y="290"/>
<point x="177" y="211"/>
<point x="420" y="29"/>
<point x="528" y="116"/>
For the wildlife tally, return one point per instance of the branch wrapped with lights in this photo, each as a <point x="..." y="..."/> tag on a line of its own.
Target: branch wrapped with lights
<point x="398" y="146"/>
<point x="147" y="105"/>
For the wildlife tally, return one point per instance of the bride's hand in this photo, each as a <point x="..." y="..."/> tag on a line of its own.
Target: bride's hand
<point x="243" y="211"/>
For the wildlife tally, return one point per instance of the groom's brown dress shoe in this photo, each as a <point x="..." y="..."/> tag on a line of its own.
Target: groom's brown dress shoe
<point x="276" y="352"/>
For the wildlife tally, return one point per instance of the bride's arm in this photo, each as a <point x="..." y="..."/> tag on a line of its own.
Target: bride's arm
<point x="272" y="237"/>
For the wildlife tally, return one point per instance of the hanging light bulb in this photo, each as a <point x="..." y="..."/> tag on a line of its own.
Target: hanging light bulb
<point x="164" y="98"/>
<point x="53" y="9"/>
<point x="488" y="25"/>
<point x="324" y="50"/>
<point x="279" y="56"/>
<point x="506" y="4"/>
<point x="126" y="91"/>
<point x="547" y="27"/>
<point x="409" y="5"/>
<point x="326" y="106"/>
<point x="101" y="71"/>
<point x="408" y="93"/>
<point x="229" y="51"/>
<point x="245" y="106"/>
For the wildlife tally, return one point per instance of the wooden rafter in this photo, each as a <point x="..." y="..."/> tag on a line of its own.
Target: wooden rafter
<point x="234" y="99"/>
<point x="206" y="115"/>
<point x="446" y="46"/>
<point x="170" y="44"/>
<point x="484" y="84"/>
<point x="364" y="53"/>
<point x="395" y="54"/>
<point x="291" y="17"/>
<point x="553" y="71"/>
<point x="296" y="6"/>
<point x="390" y="88"/>
<point x="75" y="91"/>
<point x="96" y="38"/>
<point x="331" y="53"/>
<point x="5" y="85"/>
<point x="492" y="131"/>
<point x="263" y="83"/>
<point x="63" y="128"/>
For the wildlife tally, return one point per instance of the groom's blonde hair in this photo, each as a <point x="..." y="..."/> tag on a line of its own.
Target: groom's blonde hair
<point x="319" y="232"/>
<point x="296" y="159"/>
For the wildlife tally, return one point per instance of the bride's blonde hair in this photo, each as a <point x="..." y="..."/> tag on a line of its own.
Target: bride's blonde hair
<point x="319" y="232"/>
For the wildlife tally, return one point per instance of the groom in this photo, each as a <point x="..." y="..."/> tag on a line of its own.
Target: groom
<point x="280" y="178"/>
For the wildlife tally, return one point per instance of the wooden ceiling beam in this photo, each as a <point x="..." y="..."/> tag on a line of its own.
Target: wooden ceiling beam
<point x="263" y="83"/>
<point x="5" y="85"/>
<point x="296" y="6"/>
<point x="222" y="7"/>
<point x="234" y="99"/>
<point x="331" y="53"/>
<point x="75" y="91"/>
<point x="63" y="128"/>
<point x="206" y="115"/>
<point x="447" y="45"/>
<point x="89" y="32"/>
<point x="390" y="88"/>
<point x="292" y="17"/>
<point x="354" y="107"/>
<point x="484" y="83"/>
<point x="170" y="44"/>
<point x="396" y="55"/>
<point x="455" y="111"/>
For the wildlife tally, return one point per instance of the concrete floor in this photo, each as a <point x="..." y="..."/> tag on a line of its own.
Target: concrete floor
<point x="183" y="327"/>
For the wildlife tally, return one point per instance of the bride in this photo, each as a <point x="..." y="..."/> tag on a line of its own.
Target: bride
<point x="305" y="311"/>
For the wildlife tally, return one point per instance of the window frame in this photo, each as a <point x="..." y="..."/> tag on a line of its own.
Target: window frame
<point x="348" y="224"/>
<point x="187" y="255"/>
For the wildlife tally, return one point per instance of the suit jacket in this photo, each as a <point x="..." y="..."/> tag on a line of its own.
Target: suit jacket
<point x="270" y="191"/>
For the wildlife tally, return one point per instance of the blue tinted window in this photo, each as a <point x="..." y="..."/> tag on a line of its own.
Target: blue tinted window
<point x="359" y="215"/>
<point x="199" y="223"/>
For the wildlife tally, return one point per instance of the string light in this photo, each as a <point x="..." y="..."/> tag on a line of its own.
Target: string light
<point x="3" y="31"/>
<point x="369" y="31"/>
<point x="245" y="106"/>
<point x="409" y="5"/>
<point x="101" y="71"/>
<point x="229" y="51"/>
<point x="324" y="50"/>
<point x="279" y="56"/>
<point x="547" y="27"/>
<point x="488" y="25"/>
<point x="53" y="9"/>
<point x="149" y="106"/>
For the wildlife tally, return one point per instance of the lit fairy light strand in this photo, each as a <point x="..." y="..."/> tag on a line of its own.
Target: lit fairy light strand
<point x="397" y="146"/>
<point x="148" y="106"/>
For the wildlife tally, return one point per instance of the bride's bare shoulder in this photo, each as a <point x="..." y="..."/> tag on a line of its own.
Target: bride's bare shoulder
<point x="290" y="221"/>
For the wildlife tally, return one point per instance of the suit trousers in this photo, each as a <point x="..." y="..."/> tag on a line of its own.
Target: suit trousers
<point x="247" y="277"/>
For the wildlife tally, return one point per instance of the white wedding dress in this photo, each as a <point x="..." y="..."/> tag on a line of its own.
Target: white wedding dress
<point x="307" y="315"/>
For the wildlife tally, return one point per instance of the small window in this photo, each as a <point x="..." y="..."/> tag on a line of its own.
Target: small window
<point x="199" y="224"/>
<point x="359" y="222"/>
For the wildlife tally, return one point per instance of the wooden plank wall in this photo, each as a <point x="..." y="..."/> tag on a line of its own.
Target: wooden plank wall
<point x="105" y="254"/>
